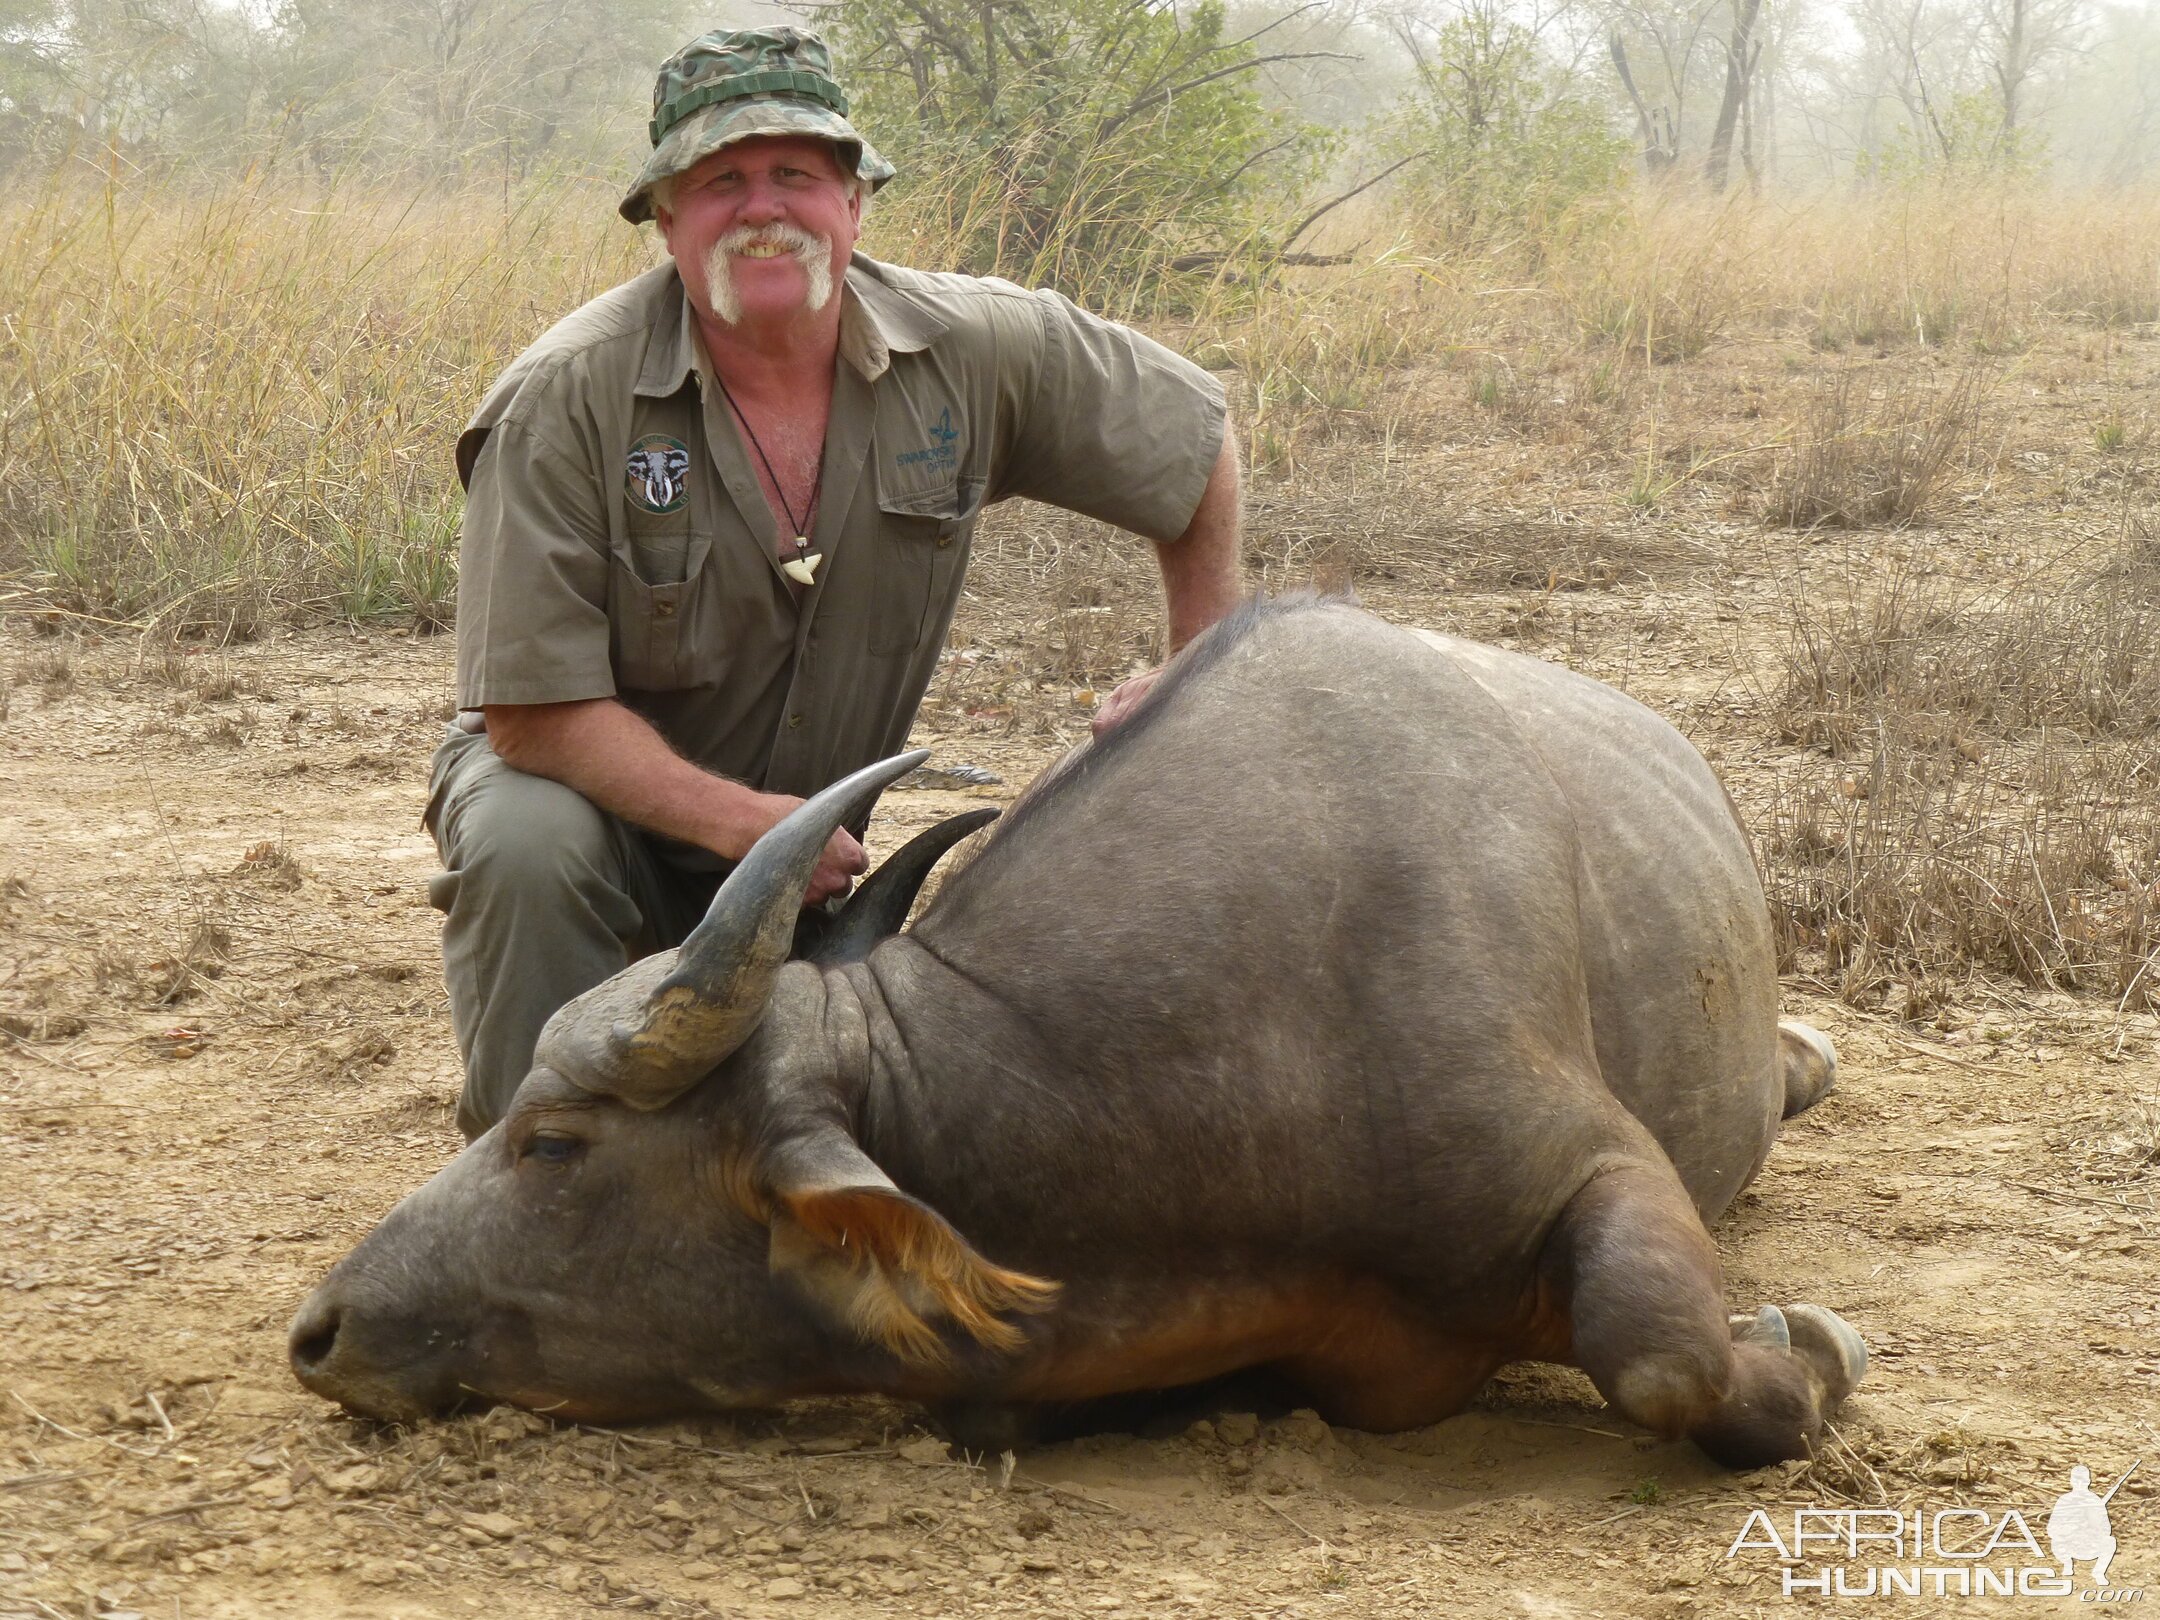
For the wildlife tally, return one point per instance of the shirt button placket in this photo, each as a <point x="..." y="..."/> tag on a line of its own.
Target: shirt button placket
<point x="789" y="747"/>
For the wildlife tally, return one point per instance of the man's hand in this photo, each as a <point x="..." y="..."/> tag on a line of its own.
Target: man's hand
<point x="843" y="861"/>
<point x="1119" y="705"/>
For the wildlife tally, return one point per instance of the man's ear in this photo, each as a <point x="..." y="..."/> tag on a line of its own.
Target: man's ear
<point x="879" y="1260"/>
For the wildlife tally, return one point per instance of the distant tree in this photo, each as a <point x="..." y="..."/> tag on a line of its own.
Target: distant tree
<point x="118" y="74"/>
<point x="1670" y="57"/>
<point x="446" y="84"/>
<point x="1507" y="135"/>
<point x="1959" y="138"/>
<point x="2104" y="125"/>
<point x="1743" y="57"/>
<point x="2027" y="40"/>
<point x="1656" y="136"/>
<point x="438" y="85"/>
<point x="33" y="73"/>
<point x="1074" y="140"/>
<point x="1965" y="80"/>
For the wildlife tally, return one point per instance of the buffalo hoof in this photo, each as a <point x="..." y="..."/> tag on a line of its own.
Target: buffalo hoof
<point x="1766" y="1327"/>
<point x="1791" y="1367"/>
<point x="1808" y="1059"/>
<point x="1831" y="1346"/>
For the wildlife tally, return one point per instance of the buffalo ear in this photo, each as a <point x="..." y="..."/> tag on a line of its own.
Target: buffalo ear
<point x="882" y="1262"/>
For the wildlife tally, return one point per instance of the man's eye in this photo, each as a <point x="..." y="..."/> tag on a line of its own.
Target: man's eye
<point x="554" y="1147"/>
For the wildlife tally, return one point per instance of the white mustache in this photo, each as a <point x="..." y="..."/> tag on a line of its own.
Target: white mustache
<point x="812" y="252"/>
<point x="793" y="238"/>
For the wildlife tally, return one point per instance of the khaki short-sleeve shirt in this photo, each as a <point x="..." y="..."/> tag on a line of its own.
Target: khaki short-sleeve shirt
<point x="616" y="542"/>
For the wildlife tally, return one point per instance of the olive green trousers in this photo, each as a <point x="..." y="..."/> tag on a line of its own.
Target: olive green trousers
<point x="545" y="895"/>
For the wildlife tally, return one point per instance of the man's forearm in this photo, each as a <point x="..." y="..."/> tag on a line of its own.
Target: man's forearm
<point x="617" y="760"/>
<point x="1199" y="574"/>
<point x="1200" y="568"/>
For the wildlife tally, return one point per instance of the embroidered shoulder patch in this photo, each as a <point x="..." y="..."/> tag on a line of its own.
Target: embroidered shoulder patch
<point x="658" y="475"/>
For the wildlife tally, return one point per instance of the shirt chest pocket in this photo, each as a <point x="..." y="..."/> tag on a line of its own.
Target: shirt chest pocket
<point x="653" y="601"/>
<point x="922" y="548"/>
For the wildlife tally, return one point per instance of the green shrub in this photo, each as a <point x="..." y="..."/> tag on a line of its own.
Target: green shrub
<point x="1508" y="142"/>
<point x="1084" y="145"/>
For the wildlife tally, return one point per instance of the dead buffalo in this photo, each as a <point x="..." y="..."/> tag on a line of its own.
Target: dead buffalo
<point x="1372" y="1007"/>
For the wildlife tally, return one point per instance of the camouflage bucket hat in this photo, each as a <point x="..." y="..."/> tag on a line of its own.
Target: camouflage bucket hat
<point x="726" y="86"/>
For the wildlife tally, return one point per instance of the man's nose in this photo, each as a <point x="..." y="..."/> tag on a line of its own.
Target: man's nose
<point x="762" y="202"/>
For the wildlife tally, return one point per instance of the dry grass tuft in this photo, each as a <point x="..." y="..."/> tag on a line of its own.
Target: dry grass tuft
<point x="1865" y="455"/>
<point x="196" y="674"/>
<point x="1844" y="1469"/>
<point x="51" y="669"/>
<point x="1950" y="663"/>
<point x="354" y="1055"/>
<point x="270" y="862"/>
<point x="240" y="403"/>
<point x="1664" y="277"/>
<point x="231" y="730"/>
<point x="1998" y="807"/>
<point x="1059" y="610"/>
<point x="177" y="975"/>
<point x="1924" y="866"/>
<point x="1336" y="538"/>
<point x="1101" y="623"/>
<point x="2120" y="1146"/>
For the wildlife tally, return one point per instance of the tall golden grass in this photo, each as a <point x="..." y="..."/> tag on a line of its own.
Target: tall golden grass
<point x="229" y="405"/>
<point x="237" y="405"/>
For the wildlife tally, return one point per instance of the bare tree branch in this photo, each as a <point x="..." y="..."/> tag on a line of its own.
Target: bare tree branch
<point x="1155" y="97"/>
<point x="1269" y="28"/>
<point x="1328" y="207"/>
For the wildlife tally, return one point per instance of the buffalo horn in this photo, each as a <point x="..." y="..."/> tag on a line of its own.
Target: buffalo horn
<point x="655" y="1030"/>
<point x="881" y="905"/>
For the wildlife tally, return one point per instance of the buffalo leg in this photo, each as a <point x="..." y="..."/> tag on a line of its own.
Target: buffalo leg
<point x="1644" y="1297"/>
<point x="1807" y="1061"/>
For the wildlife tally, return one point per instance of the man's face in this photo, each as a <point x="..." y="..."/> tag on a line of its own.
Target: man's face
<point x="762" y="229"/>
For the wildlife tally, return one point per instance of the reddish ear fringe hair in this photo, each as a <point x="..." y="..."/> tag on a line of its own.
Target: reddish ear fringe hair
<point x="909" y="1261"/>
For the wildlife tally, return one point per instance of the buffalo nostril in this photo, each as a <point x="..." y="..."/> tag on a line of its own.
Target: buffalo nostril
<point x="314" y="1336"/>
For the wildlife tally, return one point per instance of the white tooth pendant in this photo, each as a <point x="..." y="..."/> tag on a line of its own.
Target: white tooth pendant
<point x="802" y="567"/>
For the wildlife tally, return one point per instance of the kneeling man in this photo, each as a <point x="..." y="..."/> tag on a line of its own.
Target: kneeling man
<point x="715" y="528"/>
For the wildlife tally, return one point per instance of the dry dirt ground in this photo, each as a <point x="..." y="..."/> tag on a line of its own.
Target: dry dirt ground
<point x="227" y="1054"/>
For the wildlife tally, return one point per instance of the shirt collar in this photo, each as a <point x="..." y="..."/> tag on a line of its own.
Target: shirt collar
<point x="891" y="322"/>
<point x="877" y="321"/>
<point x="671" y="354"/>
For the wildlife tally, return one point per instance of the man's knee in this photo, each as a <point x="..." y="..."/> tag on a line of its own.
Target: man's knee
<point x="536" y="888"/>
<point x="502" y="832"/>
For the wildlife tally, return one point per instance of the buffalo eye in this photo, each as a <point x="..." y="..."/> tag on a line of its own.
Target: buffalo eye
<point x="554" y="1147"/>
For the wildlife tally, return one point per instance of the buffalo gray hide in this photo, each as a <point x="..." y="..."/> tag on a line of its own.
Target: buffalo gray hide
<point x="1373" y="1007"/>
